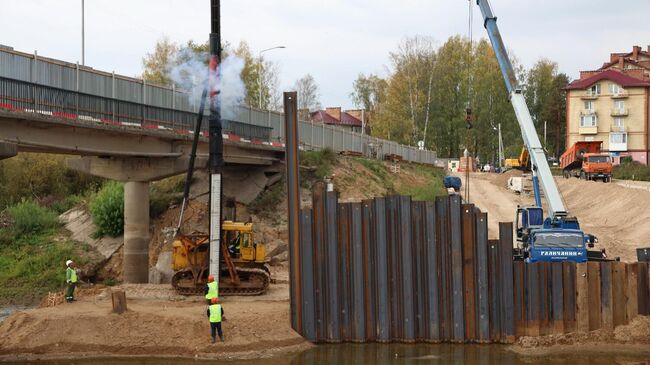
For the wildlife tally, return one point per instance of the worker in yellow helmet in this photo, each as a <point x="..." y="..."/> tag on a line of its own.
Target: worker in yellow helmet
<point x="211" y="289"/>
<point x="215" y="312"/>
<point x="71" y="280"/>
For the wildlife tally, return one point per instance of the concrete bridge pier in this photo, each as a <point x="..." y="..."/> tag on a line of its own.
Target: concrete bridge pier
<point x="136" y="173"/>
<point x="136" y="232"/>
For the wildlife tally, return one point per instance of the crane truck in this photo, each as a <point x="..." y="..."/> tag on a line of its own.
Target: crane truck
<point x="558" y="236"/>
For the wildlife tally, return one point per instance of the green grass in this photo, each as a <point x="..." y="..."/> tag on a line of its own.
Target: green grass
<point x="376" y="167"/>
<point x="431" y="190"/>
<point x="33" y="265"/>
<point x="632" y="170"/>
<point x="267" y="201"/>
<point x="164" y="193"/>
<point x="318" y="165"/>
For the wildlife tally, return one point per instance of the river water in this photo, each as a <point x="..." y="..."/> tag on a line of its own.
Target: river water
<point x="386" y="354"/>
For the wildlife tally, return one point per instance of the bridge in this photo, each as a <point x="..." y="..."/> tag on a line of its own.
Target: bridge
<point x="128" y="130"/>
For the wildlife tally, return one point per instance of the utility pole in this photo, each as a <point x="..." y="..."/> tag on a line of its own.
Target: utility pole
<point x="83" y="35"/>
<point x="216" y="139"/>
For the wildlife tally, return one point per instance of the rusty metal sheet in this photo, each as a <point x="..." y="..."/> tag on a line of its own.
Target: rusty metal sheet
<point x="318" y="244"/>
<point x="643" y="288"/>
<point x="544" y="295"/>
<point x="532" y="299"/>
<point x="357" y="287"/>
<point x="582" y="297"/>
<point x="469" y="275"/>
<point x="458" y="308"/>
<point x="606" y="296"/>
<point x="343" y="269"/>
<point x="482" y="293"/>
<point x="619" y="287"/>
<point x="444" y="267"/>
<point x="308" y="328"/>
<point x="370" y="279"/>
<point x="632" y="309"/>
<point x="405" y="249"/>
<point x="431" y="268"/>
<point x="331" y="268"/>
<point x="420" y="290"/>
<point x="519" y="273"/>
<point x="507" y="292"/>
<point x="569" y="296"/>
<point x="494" y="290"/>
<point x="594" y="305"/>
<point x="394" y="266"/>
<point x="381" y="272"/>
<point x="557" y="298"/>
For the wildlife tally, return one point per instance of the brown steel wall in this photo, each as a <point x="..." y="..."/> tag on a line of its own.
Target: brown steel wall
<point x="391" y="269"/>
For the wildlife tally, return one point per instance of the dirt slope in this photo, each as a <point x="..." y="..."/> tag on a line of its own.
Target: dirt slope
<point x="615" y="213"/>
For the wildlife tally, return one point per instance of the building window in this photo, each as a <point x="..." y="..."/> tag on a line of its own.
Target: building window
<point x="594" y="90"/>
<point x="619" y="123"/>
<point x="619" y="105"/>
<point x="588" y="120"/>
<point x="589" y="105"/>
<point x="615" y="89"/>
<point x="618" y="138"/>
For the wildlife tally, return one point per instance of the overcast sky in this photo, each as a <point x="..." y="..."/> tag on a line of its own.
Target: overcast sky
<point x="334" y="40"/>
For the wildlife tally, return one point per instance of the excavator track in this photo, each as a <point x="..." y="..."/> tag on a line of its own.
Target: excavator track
<point x="253" y="281"/>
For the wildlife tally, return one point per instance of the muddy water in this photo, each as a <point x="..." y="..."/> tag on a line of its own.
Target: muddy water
<point x="384" y="355"/>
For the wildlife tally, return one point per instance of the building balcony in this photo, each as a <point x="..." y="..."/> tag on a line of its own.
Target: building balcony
<point x="588" y="112"/>
<point x="589" y="96"/>
<point x="620" y="112"/>
<point x="618" y="129"/>
<point x="620" y="95"/>
<point x="588" y="130"/>
<point x="618" y="141"/>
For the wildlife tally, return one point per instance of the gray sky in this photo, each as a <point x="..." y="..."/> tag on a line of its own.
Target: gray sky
<point x="334" y="40"/>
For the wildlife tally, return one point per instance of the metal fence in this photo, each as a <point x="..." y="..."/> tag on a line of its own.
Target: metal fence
<point x="35" y="83"/>
<point x="392" y="269"/>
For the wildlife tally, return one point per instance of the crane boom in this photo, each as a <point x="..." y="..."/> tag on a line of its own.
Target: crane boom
<point x="539" y="164"/>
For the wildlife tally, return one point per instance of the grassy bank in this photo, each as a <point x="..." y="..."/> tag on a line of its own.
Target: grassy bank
<point x="632" y="170"/>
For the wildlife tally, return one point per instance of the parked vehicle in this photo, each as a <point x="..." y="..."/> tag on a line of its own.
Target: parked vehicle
<point x="585" y="160"/>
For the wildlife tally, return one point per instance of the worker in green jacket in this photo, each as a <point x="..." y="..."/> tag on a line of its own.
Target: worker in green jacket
<point x="215" y="312"/>
<point x="211" y="289"/>
<point x="71" y="280"/>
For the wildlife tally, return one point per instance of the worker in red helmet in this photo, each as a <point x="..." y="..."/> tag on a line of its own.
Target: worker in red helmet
<point x="215" y="313"/>
<point x="211" y="289"/>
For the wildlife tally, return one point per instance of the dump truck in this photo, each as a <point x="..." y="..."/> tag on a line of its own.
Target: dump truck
<point x="585" y="160"/>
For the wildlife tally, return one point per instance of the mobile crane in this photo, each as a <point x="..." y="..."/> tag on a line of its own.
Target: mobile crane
<point x="557" y="237"/>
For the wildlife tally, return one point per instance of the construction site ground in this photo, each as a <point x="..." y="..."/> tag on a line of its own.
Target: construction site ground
<point x="614" y="212"/>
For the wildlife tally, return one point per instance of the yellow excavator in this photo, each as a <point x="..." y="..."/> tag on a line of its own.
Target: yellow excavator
<point x="243" y="268"/>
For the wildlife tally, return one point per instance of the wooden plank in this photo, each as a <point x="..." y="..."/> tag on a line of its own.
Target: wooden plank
<point x="582" y="297"/>
<point x="118" y="298"/>
<point x="594" y="307"/>
<point x="570" y="291"/>
<point x="606" y="296"/>
<point x="619" y="289"/>
<point x="631" y="295"/>
<point x="557" y="299"/>
<point x="469" y="275"/>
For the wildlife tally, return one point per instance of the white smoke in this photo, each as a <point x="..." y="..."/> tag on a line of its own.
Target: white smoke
<point x="189" y="71"/>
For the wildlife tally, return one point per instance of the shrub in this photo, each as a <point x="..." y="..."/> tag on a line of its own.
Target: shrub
<point x="632" y="170"/>
<point x="30" y="218"/>
<point x="319" y="164"/>
<point x="164" y="193"/>
<point x="107" y="210"/>
<point x="268" y="200"/>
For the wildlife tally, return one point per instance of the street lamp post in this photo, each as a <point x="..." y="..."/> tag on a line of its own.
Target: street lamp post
<point x="259" y="71"/>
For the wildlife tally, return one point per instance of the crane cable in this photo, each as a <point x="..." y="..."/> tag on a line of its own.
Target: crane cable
<point x="468" y="108"/>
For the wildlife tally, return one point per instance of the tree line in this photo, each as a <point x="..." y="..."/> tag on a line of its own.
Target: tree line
<point x="428" y="90"/>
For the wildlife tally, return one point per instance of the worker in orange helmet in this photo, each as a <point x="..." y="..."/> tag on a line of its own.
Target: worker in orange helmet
<point x="211" y="289"/>
<point x="215" y="312"/>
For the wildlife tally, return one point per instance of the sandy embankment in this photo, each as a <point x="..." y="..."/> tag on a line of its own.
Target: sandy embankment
<point x="255" y="327"/>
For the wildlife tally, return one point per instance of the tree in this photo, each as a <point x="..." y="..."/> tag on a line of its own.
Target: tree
<point x="546" y="99"/>
<point x="157" y="65"/>
<point x="308" y="94"/>
<point x="369" y="93"/>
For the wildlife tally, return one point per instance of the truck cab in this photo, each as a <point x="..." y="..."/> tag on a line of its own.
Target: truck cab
<point x="542" y="240"/>
<point x="596" y="166"/>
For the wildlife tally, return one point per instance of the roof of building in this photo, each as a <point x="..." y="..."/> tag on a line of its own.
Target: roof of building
<point x="641" y="64"/>
<point x="346" y="118"/>
<point x="612" y="75"/>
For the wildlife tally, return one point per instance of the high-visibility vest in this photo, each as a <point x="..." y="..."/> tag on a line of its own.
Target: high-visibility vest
<point x="213" y="290"/>
<point x="215" y="313"/>
<point x="73" y="274"/>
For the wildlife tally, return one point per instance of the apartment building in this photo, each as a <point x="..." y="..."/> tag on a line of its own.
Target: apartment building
<point x="611" y="104"/>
